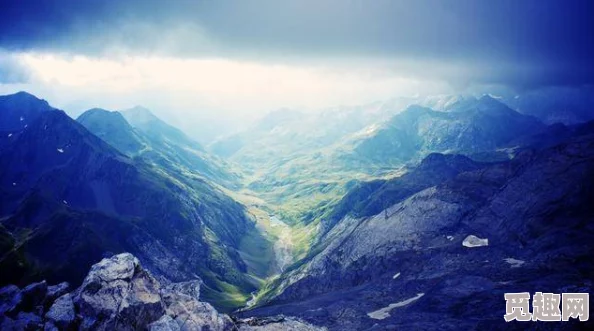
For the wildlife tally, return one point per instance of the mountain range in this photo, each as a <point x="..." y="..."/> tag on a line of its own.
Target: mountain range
<point x="411" y="213"/>
<point x="70" y="197"/>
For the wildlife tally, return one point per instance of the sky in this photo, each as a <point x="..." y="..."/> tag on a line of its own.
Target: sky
<point x="227" y="62"/>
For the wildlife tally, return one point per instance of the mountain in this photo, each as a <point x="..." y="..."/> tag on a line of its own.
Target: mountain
<point x="443" y="256"/>
<point x="19" y="109"/>
<point x="68" y="198"/>
<point x="567" y="105"/>
<point x="16" y="112"/>
<point x="145" y="121"/>
<point x="366" y="199"/>
<point x="287" y="156"/>
<point x="112" y="128"/>
<point x="470" y="127"/>
<point x="156" y="142"/>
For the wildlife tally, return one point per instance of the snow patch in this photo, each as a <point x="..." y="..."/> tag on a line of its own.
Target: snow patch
<point x="396" y="276"/>
<point x="450" y="238"/>
<point x="60" y="150"/>
<point x="22" y="118"/>
<point x="380" y="314"/>
<point x="514" y="262"/>
<point x="474" y="241"/>
<point x="65" y="202"/>
<point x="13" y="184"/>
<point x="9" y="135"/>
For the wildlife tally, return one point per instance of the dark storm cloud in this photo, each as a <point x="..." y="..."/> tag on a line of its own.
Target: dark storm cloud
<point x="522" y="43"/>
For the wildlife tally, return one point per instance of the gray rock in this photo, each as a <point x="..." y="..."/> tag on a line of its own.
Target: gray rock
<point x="26" y="321"/>
<point x="183" y="305"/>
<point x="33" y="295"/>
<point x="165" y="323"/>
<point x="56" y="291"/>
<point x="10" y="299"/>
<point x="118" y="294"/>
<point x="49" y="326"/>
<point x="62" y="312"/>
<point x="276" y="323"/>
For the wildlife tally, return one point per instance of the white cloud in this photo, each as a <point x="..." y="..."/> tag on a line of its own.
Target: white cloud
<point x="216" y="83"/>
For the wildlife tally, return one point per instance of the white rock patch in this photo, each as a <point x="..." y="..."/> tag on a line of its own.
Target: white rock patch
<point x="450" y="238"/>
<point x="9" y="135"/>
<point x="60" y="150"/>
<point x="514" y="263"/>
<point x="396" y="276"/>
<point x="385" y="312"/>
<point x="474" y="241"/>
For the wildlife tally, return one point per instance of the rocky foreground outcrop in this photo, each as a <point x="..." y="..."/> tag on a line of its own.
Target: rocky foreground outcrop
<point x="119" y="294"/>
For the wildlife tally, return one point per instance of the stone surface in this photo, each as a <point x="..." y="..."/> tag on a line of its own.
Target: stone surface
<point x="62" y="313"/>
<point x="56" y="291"/>
<point x="34" y="295"/>
<point x="10" y="299"/>
<point x="182" y="304"/>
<point x="118" y="294"/>
<point x="165" y="323"/>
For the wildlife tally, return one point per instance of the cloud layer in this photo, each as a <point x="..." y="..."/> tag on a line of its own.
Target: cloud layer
<point x="523" y="43"/>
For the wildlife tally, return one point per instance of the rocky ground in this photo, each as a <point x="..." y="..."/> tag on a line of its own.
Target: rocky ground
<point x="443" y="258"/>
<point x="119" y="294"/>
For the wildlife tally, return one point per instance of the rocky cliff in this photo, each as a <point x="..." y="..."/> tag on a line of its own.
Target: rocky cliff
<point x="119" y="294"/>
<point x="443" y="257"/>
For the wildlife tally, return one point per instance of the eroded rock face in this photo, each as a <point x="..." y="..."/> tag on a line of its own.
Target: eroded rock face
<point x="181" y="300"/>
<point x="62" y="313"/>
<point x="119" y="294"/>
<point x="535" y="211"/>
<point x="276" y="323"/>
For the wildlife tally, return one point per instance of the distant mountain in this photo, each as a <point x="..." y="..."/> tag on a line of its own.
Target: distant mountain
<point x="156" y="142"/>
<point x="469" y="127"/>
<point x="287" y="155"/>
<point x="567" y="105"/>
<point x="145" y="121"/>
<point x="417" y="263"/>
<point x="114" y="129"/>
<point x="68" y="198"/>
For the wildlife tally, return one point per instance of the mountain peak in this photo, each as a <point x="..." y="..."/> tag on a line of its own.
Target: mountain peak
<point x="140" y="114"/>
<point x="21" y="97"/>
<point x="102" y="117"/>
<point x="19" y="109"/>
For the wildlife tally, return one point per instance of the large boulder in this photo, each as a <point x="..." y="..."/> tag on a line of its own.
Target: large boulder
<point x="118" y="294"/>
